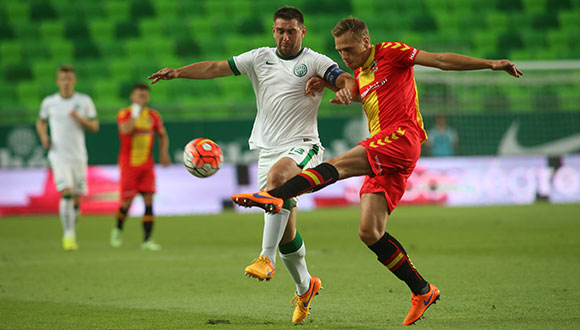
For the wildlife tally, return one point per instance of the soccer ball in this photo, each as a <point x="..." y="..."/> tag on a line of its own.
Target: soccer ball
<point x="202" y="157"/>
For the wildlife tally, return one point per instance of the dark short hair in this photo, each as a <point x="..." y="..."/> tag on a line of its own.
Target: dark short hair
<point x="357" y="27"/>
<point x="140" y="86"/>
<point x="289" y="13"/>
<point x="66" y="68"/>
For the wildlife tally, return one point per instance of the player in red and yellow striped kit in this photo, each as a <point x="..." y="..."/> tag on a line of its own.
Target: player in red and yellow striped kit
<point x="386" y="87"/>
<point x="138" y="126"/>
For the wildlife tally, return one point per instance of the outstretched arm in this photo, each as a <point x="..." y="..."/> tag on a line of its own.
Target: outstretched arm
<point x="346" y="89"/>
<point x="199" y="70"/>
<point x="456" y="62"/>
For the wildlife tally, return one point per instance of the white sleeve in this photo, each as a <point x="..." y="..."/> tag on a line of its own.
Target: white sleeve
<point x="44" y="109"/>
<point x="243" y="63"/>
<point x="322" y="64"/>
<point x="90" y="110"/>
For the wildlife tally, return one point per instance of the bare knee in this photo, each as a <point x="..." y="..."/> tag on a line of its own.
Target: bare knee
<point x="369" y="236"/>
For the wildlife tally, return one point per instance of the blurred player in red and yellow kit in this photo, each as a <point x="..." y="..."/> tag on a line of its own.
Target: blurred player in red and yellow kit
<point x="386" y="87"/>
<point x="138" y="126"/>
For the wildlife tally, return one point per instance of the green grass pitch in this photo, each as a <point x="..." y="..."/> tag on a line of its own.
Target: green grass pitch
<point x="513" y="267"/>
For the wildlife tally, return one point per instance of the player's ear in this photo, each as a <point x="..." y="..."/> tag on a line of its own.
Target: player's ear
<point x="366" y="42"/>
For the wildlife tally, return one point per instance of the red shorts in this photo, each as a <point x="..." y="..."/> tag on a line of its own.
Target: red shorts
<point x="137" y="179"/>
<point x="392" y="154"/>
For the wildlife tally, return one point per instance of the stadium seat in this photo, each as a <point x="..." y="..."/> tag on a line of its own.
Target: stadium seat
<point x="61" y="50"/>
<point x="126" y="30"/>
<point x="137" y="48"/>
<point x="363" y="8"/>
<point x="45" y="70"/>
<point x="497" y="21"/>
<point x="102" y="30"/>
<point x="90" y="70"/>
<point x="25" y="32"/>
<point x="569" y="20"/>
<point x="10" y="110"/>
<point x="42" y="10"/>
<point x="109" y="48"/>
<point x="17" y="12"/>
<point x="141" y="9"/>
<point x="11" y="51"/>
<point x="106" y="93"/>
<point x="531" y="7"/>
<point x="51" y="30"/>
<point x="118" y="10"/>
<point x="121" y="69"/>
<point x="76" y="30"/>
<point x="152" y="28"/>
<point x="28" y="93"/>
<point x="85" y="49"/>
<point x="167" y="10"/>
<point x="177" y="29"/>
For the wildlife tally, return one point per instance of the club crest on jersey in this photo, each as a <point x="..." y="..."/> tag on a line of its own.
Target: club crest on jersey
<point x="374" y="67"/>
<point x="300" y="70"/>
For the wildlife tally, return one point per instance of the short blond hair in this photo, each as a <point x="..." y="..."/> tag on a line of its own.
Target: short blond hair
<point x="357" y="27"/>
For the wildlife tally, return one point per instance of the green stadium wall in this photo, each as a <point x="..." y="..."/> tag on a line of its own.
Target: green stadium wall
<point x="547" y="134"/>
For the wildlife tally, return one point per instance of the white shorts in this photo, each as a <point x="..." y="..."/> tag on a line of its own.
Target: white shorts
<point x="69" y="175"/>
<point x="306" y="155"/>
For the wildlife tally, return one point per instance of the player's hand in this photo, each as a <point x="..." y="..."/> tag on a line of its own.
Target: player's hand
<point x="314" y="85"/>
<point x="75" y="115"/>
<point x="507" y="66"/>
<point x="165" y="160"/>
<point x="163" y="74"/>
<point x="343" y="96"/>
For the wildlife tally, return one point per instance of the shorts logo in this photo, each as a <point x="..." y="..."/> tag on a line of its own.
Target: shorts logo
<point x="378" y="162"/>
<point x="300" y="70"/>
<point x="387" y="139"/>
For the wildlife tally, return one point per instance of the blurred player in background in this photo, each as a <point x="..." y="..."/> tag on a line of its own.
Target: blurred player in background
<point x="442" y="138"/>
<point x="285" y="132"/>
<point x="137" y="126"/>
<point x="386" y="85"/>
<point x="68" y="113"/>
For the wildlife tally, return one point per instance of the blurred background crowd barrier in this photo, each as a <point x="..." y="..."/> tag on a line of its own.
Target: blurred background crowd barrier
<point x="116" y="43"/>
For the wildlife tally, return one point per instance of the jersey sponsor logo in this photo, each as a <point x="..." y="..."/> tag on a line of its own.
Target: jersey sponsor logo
<point x="372" y="87"/>
<point x="509" y="144"/>
<point x="300" y="70"/>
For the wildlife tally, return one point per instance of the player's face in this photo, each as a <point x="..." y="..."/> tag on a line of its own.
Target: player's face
<point x="353" y="52"/>
<point x="288" y="35"/>
<point x="66" y="82"/>
<point x="140" y="96"/>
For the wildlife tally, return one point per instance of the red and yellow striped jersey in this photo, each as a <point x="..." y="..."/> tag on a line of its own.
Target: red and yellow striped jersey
<point x="387" y="87"/>
<point x="136" y="147"/>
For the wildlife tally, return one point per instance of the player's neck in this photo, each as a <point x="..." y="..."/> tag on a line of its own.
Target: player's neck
<point x="66" y="94"/>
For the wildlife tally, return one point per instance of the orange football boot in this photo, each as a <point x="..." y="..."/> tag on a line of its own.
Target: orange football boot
<point x="303" y="302"/>
<point x="420" y="303"/>
<point x="261" y="268"/>
<point x="260" y="199"/>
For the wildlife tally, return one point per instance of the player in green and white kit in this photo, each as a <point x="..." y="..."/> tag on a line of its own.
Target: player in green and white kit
<point x="285" y="132"/>
<point x="68" y="114"/>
